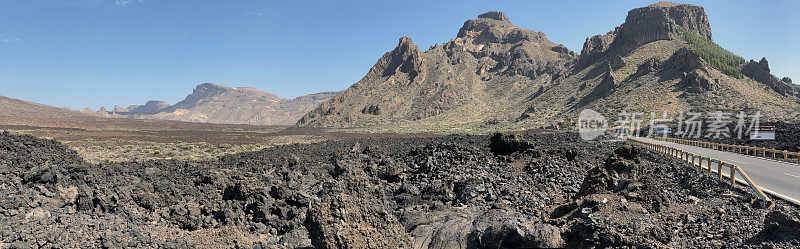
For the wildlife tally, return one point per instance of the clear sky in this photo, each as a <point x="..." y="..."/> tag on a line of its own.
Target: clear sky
<point x="92" y="53"/>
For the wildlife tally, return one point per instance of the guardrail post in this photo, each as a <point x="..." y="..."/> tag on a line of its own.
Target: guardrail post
<point x="709" y="166"/>
<point x="719" y="169"/>
<point x="733" y="175"/>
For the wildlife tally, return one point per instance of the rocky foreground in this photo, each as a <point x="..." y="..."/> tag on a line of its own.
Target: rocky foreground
<point x="537" y="189"/>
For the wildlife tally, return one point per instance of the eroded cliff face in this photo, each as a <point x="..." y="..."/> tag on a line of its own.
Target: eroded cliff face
<point x="660" y="21"/>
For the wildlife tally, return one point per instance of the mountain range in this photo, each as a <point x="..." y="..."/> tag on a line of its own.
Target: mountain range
<point x="496" y="74"/>
<point x="210" y="103"/>
<point x="662" y="58"/>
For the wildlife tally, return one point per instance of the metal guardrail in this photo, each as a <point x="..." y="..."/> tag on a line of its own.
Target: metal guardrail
<point x="741" y="149"/>
<point x="695" y="160"/>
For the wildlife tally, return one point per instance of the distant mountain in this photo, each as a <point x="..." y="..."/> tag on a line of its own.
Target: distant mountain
<point x="149" y="108"/>
<point x="233" y="105"/>
<point x="662" y="58"/>
<point x="21" y="112"/>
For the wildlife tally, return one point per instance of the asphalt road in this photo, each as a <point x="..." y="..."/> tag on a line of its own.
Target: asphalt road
<point x="780" y="179"/>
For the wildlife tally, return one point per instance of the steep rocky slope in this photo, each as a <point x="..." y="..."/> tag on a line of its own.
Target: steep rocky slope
<point x="489" y="71"/>
<point x="662" y="58"/>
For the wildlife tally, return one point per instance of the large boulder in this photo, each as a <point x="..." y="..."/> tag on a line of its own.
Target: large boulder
<point x="781" y="222"/>
<point x="687" y="60"/>
<point x="475" y="228"/>
<point x="698" y="81"/>
<point x="648" y="66"/>
<point x="506" y="144"/>
<point x="619" y="171"/>
<point x="346" y="220"/>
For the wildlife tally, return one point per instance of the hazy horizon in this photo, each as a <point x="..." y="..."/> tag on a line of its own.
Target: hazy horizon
<point x="93" y="53"/>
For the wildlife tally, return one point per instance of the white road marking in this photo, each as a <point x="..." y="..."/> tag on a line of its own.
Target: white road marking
<point x="791" y="175"/>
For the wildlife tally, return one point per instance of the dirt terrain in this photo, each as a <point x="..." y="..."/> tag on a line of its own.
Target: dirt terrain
<point x="537" y="189"/>
<point x="115" y="142"/>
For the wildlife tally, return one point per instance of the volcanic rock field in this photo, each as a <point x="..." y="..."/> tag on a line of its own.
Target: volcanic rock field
<point x="521" y="190"/>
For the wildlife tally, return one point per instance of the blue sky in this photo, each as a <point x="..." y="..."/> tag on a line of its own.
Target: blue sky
<point x="92" y="53"/>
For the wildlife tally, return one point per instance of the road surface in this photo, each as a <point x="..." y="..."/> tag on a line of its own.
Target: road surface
<point x="780" y="179"/>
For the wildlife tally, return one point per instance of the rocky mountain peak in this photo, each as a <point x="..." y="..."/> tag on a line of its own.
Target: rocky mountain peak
<point x="209" y="87"/>
<point x="759" y="71"/>
<point x="494" y="27"/>
<point x="661" y="21"/>
<point x="496" y="15"/>
<point x="406" y="45"/>
<point x="405" y="58"/>
<point x="151" y="107"/>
